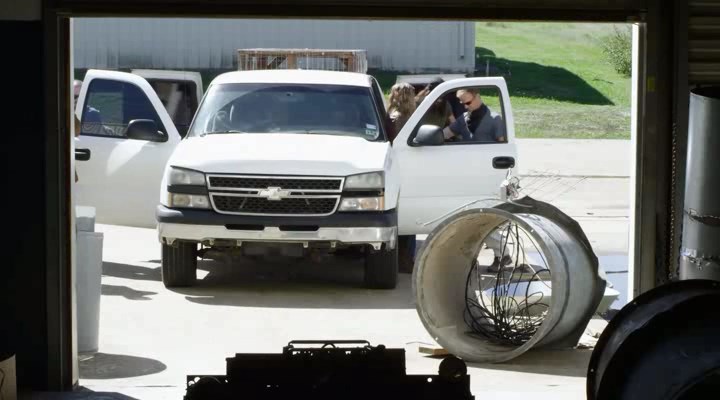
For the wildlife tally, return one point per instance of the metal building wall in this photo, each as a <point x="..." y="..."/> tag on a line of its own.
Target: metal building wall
<point x="413" y="46"/>
<point x="704" y="35"/>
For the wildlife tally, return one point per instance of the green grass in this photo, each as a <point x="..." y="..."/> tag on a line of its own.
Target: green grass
<point x="560" y="84"/>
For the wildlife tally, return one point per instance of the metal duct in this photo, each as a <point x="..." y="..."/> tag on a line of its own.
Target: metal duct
<point x="700" y="253"/>
<point x="447" y="257"/>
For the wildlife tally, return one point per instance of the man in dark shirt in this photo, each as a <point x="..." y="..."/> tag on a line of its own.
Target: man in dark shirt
<point x="479" y="123"/>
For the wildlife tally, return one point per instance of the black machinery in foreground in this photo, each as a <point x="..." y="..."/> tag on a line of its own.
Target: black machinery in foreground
<point x="330" y="370"/>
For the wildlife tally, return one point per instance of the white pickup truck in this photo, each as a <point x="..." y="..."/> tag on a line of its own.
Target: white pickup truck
<point x="285" y="161"/>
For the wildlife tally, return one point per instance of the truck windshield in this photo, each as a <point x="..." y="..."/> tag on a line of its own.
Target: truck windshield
<point x="288" y="108"/>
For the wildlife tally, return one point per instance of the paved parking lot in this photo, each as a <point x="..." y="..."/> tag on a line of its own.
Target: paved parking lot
<point x="151" y="337"/>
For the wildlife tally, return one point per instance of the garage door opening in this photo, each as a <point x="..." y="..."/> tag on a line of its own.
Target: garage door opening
<point x="566" y="101"/>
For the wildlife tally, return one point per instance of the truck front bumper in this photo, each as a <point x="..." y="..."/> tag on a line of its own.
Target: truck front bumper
<point x="209" y="227"/>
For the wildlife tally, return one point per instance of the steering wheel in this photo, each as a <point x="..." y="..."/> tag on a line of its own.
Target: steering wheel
<point x="220" y="122"/>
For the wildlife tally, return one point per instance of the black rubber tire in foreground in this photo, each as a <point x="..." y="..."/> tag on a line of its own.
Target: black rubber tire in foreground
<point x="682" y="363"/>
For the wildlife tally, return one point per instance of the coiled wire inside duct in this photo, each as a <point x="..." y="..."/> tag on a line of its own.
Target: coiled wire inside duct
<point x="443" y="263"/>
<point x="507" y="287"/>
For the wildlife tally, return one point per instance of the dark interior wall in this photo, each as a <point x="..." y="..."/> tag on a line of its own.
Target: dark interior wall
<point x="681" y="89"/>
<point x="666" y="134"/>
<point x="34" y="289"/>
<point x="23" y="276"/>
<point x="23" y="267"/>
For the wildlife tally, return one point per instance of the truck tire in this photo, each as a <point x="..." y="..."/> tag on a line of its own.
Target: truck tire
<point x="406" y="254"/>
<point x="179" y="264"/>
<point x="381" y="269"/>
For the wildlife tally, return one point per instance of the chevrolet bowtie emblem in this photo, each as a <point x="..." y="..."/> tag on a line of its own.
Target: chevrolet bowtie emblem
<point x="274" y="193"/>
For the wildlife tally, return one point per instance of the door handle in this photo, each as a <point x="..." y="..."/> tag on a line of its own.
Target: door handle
<point x="82" y="154"/>
<point x="503" y="162"/>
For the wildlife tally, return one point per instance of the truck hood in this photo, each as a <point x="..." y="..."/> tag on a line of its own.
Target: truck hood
<point x="280" y="154"/>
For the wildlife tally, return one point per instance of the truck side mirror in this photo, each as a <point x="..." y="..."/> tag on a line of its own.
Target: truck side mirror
<point x="429" y="135"/>
<point x="145" y="129"/>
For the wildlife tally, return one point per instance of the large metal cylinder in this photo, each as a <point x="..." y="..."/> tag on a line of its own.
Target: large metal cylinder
<point x="446" y="258"/>
<point x="700" y="254"/>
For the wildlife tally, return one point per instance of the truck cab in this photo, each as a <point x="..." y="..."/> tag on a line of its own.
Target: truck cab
<point x="282" y="161"/>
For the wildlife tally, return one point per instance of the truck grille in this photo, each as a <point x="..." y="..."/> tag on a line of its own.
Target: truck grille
<point x="220" y="182"/>
<point x="275" y="195"/>
<point x="254" y="205"/>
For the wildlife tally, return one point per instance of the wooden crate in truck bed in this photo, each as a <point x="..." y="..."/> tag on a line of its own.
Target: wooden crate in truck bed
<point x="314" y="59"/>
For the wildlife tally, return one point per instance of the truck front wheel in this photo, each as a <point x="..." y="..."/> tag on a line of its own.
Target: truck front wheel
<point x="381" y="269"/>
<point x="179" y="264"/>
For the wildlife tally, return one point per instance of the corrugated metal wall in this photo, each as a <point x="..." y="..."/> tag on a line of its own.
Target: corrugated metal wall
<point x="413" y="46"/>
<point x="704" y="38"/>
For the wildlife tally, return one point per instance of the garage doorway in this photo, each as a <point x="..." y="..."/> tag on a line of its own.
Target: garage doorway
<point x="585" y="168"/>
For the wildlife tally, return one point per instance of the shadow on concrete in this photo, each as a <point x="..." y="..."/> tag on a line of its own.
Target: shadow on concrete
<point x="129" y="271"/>
<point x="81" y="393"/>
<point x="335" y="283"/>
<point x="116" y="366"/>
<point x="126" y="292"/>
<point x="571" y="362"/>
<point x="527" y="79"/>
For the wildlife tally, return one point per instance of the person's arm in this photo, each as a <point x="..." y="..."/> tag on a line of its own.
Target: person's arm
<point x="458" y="128"/>
<point x="451" y="130"/>
<point x="421" y="96"/>
<point x="391" y="129"/>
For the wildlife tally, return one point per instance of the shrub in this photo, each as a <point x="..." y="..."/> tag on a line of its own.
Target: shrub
<point x="617" y="48"/>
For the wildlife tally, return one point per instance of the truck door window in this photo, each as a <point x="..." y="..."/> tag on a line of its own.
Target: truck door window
<point x="111" y="105"/>
<point x="483" y="121"/>
<point x="180" y="101"/>
<point x="378" y="97"/>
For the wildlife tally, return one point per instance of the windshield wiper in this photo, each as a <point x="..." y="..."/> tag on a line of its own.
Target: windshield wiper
<point x="218" y="132"/>
<point x="334" y="133"/>
<point x="321" y="132"/>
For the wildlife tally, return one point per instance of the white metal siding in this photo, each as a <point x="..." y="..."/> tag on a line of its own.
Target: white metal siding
<point x="704" y="37"/>
<point x="413" y="46"/>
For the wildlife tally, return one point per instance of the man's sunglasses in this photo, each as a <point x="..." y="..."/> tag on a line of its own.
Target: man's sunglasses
<point x="467" y="103"/>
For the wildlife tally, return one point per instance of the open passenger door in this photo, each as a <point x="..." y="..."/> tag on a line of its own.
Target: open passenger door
<point x="437" y="178"/>
<point x="130" y="137"/>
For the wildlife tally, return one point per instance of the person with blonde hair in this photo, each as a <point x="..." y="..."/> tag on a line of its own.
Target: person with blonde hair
<point x="401" y="106"/>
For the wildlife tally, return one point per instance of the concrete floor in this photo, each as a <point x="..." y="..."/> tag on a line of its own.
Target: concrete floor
<point x="151" y="337"/>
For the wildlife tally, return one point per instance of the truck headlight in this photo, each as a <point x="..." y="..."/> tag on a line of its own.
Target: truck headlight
<point x="362" y="204"/>
<point x="182" y="176"/>
<point x="179" y="200"/>
<point x="372" y="180"/>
